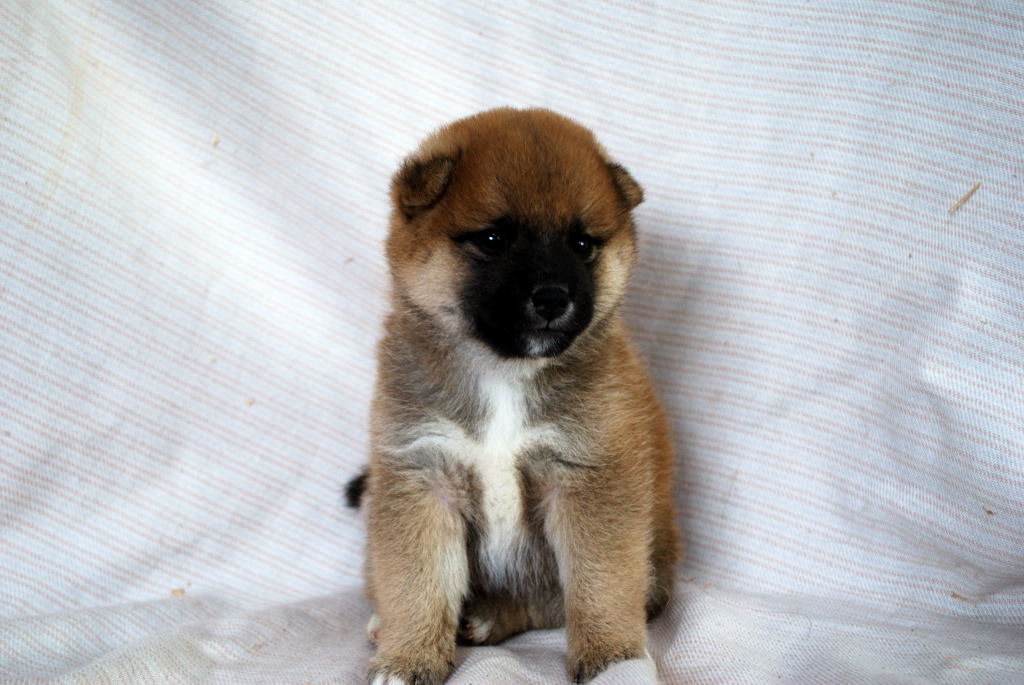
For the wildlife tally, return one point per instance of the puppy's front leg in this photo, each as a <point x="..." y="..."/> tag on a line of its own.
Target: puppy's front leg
<point x="597" y="529"/>
<point x="418" y="551"/>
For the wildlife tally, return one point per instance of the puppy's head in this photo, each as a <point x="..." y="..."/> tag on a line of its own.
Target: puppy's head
<point x="512" y="227"/>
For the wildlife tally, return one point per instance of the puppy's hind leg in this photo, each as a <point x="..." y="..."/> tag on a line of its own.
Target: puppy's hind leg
<point x="490" y="620"/>
<point x="417" y="544"/>
<point x="666" y="549"/>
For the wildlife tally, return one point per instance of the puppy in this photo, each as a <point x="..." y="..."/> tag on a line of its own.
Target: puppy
<point x="520" y="474"/>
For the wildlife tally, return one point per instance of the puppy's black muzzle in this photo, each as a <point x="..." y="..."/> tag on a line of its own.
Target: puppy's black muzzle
<point x="533" y="299"/>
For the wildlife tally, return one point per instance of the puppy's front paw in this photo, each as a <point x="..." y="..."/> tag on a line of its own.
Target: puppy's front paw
<point x="400" y="671"/>
<point x="584" y="665"/>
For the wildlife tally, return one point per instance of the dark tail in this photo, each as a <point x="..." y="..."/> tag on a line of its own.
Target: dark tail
<point x="354" y="490"/>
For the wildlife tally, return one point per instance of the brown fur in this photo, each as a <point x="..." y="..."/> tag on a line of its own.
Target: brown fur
<point x="599" y="544"/>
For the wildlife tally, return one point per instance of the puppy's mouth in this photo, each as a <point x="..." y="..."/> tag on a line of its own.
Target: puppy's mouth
<point x="545" y="341"/>
<point x="561" y="325"/>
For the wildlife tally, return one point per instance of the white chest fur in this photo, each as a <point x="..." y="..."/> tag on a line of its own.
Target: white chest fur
<point x="503" y="433"/>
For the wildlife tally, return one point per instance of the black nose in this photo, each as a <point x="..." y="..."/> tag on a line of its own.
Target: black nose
<point x="550" y="302"/>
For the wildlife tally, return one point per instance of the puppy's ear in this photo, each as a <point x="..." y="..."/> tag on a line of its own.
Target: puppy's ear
<point x="419" y="184"/>
<point x="629" y="190"/>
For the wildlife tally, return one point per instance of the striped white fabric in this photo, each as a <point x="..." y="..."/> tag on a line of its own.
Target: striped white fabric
<point x="192" y="203"/>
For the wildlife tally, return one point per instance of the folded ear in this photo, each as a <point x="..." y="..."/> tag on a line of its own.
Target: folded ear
<point x="629" y="190"/>
<point x="418" y="185"/>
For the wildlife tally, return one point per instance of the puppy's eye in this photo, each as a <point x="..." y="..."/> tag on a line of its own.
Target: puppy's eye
<point x="582" y="245"/>
<point x="492" y="242"/>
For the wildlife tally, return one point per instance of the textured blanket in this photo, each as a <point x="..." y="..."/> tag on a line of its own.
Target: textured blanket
<point x="830" y="298"/>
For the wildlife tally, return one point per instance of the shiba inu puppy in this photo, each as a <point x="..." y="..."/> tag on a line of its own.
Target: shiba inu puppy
<point x="520" y="474"/>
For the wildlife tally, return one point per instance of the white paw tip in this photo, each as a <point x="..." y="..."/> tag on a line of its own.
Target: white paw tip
<point x="372" y="634"/>
<point x="479" y="629"/>
<point x="387" y="680"/>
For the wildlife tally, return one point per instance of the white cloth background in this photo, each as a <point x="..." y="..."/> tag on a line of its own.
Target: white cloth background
<point x="192" y="202"/>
